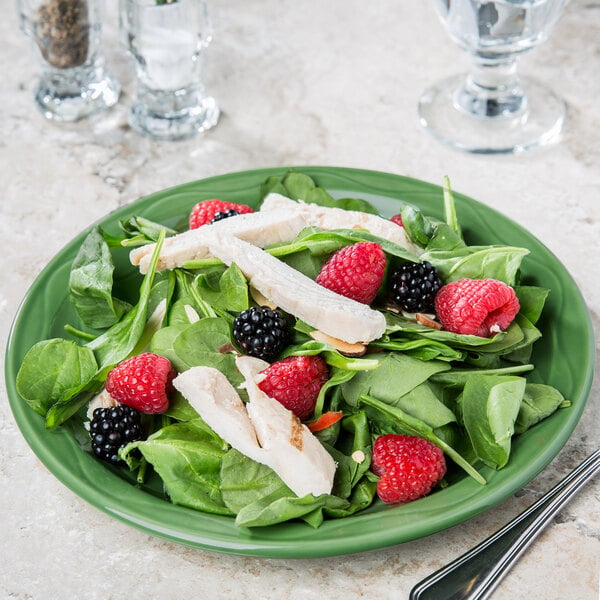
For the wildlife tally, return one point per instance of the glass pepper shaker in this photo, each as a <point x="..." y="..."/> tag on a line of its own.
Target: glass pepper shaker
<point x="66" y="35"/>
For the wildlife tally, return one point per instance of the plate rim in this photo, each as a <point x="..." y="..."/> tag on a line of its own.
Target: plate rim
<point x="253" y="545"/>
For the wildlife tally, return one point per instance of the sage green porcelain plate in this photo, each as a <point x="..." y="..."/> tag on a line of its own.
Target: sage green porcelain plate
<point x="563" y="358"/>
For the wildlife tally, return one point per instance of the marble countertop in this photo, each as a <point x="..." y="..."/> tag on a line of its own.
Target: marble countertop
<point x="299" y="83"/>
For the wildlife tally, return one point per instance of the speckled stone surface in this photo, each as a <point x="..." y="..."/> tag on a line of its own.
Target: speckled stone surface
<point x="322" y="83"/>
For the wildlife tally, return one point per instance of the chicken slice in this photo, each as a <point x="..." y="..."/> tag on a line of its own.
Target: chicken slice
<point x="212" y="396"/>
<point x="263" y="430"/>
<point x="335" y="315"/>
<point x="259" y="228"/>
<point x="295" y="454"/>
<point x="326" y="217"/>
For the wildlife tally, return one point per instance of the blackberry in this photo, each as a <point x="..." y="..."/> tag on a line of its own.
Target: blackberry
<point x="224" y="214"/>
<point x="414" y="287"/>
<point x="261" y="332"/>
<point x="111" y="429"/>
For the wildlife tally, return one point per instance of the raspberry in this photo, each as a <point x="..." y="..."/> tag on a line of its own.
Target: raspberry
<point x="355" y="271"/>
<point x="296" y="382"/>
<point x="203" y="212"/>
<point x="261" y="332"/>
<point x="142" y="382"/>
<point x="476" y="306"/>
<point x="408" y="467"/>
<point x="414" y="286"/>
<point x="113" y="428"/>
<point x="398" y="220"/>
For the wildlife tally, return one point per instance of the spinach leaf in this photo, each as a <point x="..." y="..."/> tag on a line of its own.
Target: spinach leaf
<point x="256" y="494"/>
<point x="532" y="300"/>
<point x="182" y="312"/>
<point x="477" y="262"/>
<point x="162" y="343"/>
<point x="423" y="403"/>
<point x="332" y="356"/>
<point x="450" y="209"/>
<point x="226" y="289"/>
<point x="197" y="344"/>
<point x="349" y="471"/>
<point x="539" y="402"/>
<point x="490" y="405"/>
<point x="321" y="243"/>
<point x="458" y="377"/>
<point x="444" y="238"/>
<point x="268" y="511"/>
<point x="187" y="456"/>
<point x="74" y="399"/>
<point x="91" y="283"/>
<point x="140" y="231"/>
<point x="116" y="343"/>
<point x="51" y="369"/>
<point x="245" y="481"/>
<point x="259" y="497"/>
<point x="396" y="375"/>
<point x="300" y="186"/>
<point x="423" y="349"/>
<point x="337" y="376"/>
<point x="521" y="351"/>
<point x="418" y="227"/>
<point x="180" y="409"/>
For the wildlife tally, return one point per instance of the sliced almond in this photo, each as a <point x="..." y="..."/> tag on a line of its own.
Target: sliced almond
<point x="352" y="350"/>
<point x="358" y="456"/>
<point x="260" y="299"/>
<point x="227" y="348"/>
<point x="427" y="321"/>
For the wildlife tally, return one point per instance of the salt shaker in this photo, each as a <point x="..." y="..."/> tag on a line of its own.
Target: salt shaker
<point x="166" y="41"/>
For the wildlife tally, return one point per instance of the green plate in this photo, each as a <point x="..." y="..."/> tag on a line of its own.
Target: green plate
<point x="564" y="357"/>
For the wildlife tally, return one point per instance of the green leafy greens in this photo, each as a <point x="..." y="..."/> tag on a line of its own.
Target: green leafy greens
<point x="469" y="395"/>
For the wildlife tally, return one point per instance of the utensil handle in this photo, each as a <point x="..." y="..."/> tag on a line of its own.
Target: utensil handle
<point x="476" y="574"/>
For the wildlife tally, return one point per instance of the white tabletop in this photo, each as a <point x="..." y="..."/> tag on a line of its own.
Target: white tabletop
<point x="299" y="83"/>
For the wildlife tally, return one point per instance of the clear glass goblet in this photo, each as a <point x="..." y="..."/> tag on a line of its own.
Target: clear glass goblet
<point x="492" y="110"/>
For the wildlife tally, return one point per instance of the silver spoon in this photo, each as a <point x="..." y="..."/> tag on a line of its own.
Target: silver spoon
<point x="477" y="573"/>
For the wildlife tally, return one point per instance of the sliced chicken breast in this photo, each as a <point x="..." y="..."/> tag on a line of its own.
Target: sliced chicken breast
<point x="259" y="228"/>
<point x="297" y="294"/>
<point x="295" y="454"/>
<point x="326" y="217"/>
<point x="212" y="396"/>
<point x="262" y="430"/>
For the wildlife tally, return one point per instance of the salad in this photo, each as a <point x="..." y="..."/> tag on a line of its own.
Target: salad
<point x="465" y="393"/>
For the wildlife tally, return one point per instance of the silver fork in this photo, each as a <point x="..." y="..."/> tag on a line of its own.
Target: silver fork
<point x="477" y="573"/>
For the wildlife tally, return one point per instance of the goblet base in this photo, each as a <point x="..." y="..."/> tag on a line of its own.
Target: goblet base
<point x="175" y="125"/>
<point x="538" y="124"/>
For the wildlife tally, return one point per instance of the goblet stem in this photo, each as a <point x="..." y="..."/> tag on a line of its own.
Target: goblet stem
<point x="492" y="89"/>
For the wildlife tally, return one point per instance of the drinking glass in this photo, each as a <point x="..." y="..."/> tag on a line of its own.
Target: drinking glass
<point x="66" y="35"/>
<point x="166" y="41"/>
<point x="492" y="109"/>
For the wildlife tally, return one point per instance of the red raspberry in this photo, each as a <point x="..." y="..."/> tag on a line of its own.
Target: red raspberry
<point x="398" y="220"/>
<point x="296" y="382"/>
<point x="142" y="382"/>
<point x="476" y="306"/>
<point x="408" y="467"/>
<point x="204" y="211"/>
<point x="355" y="271"/>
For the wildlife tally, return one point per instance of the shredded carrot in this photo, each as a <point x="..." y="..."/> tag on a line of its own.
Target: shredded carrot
<point x="325" y="420"/>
